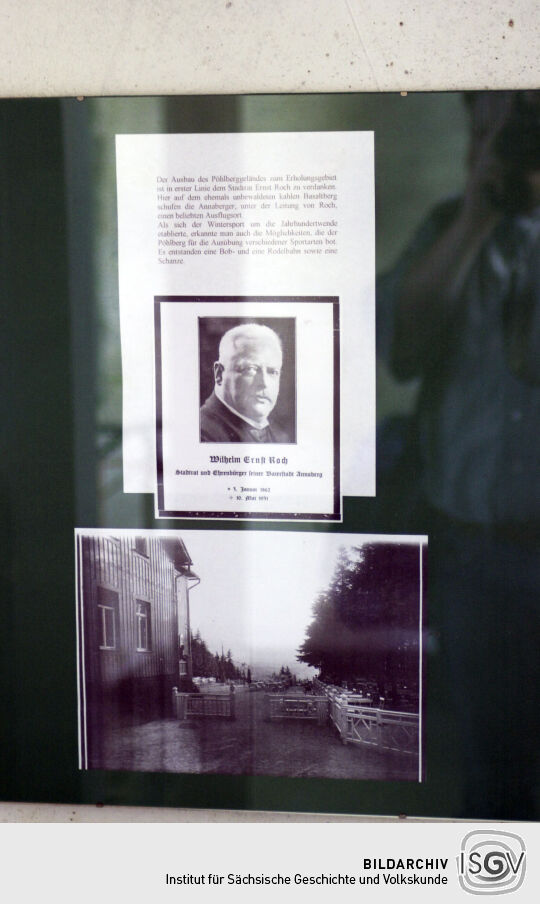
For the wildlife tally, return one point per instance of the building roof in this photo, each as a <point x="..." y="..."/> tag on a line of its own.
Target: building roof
<point x="176" y="551"/>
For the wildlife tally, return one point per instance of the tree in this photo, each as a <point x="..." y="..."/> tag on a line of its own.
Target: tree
<point x="365" y="625"/>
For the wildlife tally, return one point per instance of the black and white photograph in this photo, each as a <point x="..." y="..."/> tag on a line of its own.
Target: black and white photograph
<point x="251" y="653"/>
<point x="248" y="407"/>
<point x="247" y="380"/>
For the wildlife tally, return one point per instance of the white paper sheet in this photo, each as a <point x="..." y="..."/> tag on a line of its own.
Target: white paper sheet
<point x="277" y="215"/>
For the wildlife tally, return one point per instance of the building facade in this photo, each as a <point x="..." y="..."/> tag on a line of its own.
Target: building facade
<point x="134" y="631"/>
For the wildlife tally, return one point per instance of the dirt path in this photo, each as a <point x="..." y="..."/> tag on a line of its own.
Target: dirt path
<point x="250" y="745"/>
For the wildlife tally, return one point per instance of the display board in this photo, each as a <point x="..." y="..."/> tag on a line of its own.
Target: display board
<point x="359" y="632"/>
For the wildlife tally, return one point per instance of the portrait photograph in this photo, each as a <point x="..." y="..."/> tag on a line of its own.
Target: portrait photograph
<point x="248" y="407"/>
<point x="247" y="379"/>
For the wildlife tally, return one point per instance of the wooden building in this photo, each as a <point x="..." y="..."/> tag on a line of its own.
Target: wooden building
<point x="133" y="631"/>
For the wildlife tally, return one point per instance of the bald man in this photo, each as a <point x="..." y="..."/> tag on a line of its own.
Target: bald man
<point x="246" y="388"/>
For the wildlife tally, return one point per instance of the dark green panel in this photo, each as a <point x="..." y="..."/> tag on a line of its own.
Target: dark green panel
<point x="61" y="442"/>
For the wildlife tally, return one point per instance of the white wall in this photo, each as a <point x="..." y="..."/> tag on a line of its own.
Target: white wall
<point x="57" y="47"/>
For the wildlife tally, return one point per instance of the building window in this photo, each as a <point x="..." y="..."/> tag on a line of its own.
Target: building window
<point x="182" y="667"/>
<point x="107" y="618"/>
<point x="141" y="546"/>
<point x="143" y="625"/>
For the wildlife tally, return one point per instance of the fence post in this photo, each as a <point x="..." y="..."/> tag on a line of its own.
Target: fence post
<point x="341" y="703"/>
<point x="322" y="711"/>
<point x="379" y="728"/>
<point x="180" y="704"/>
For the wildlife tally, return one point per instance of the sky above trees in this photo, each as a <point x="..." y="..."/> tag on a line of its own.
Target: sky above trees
<point x="258" y="588"/>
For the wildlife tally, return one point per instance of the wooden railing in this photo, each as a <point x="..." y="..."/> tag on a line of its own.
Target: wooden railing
<point x="358" y="723"/>
<point x="205" y="706"/>
<point x="291" y="706"/>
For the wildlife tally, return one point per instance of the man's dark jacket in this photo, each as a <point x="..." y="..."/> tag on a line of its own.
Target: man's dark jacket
<point x="221" y="425"/>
